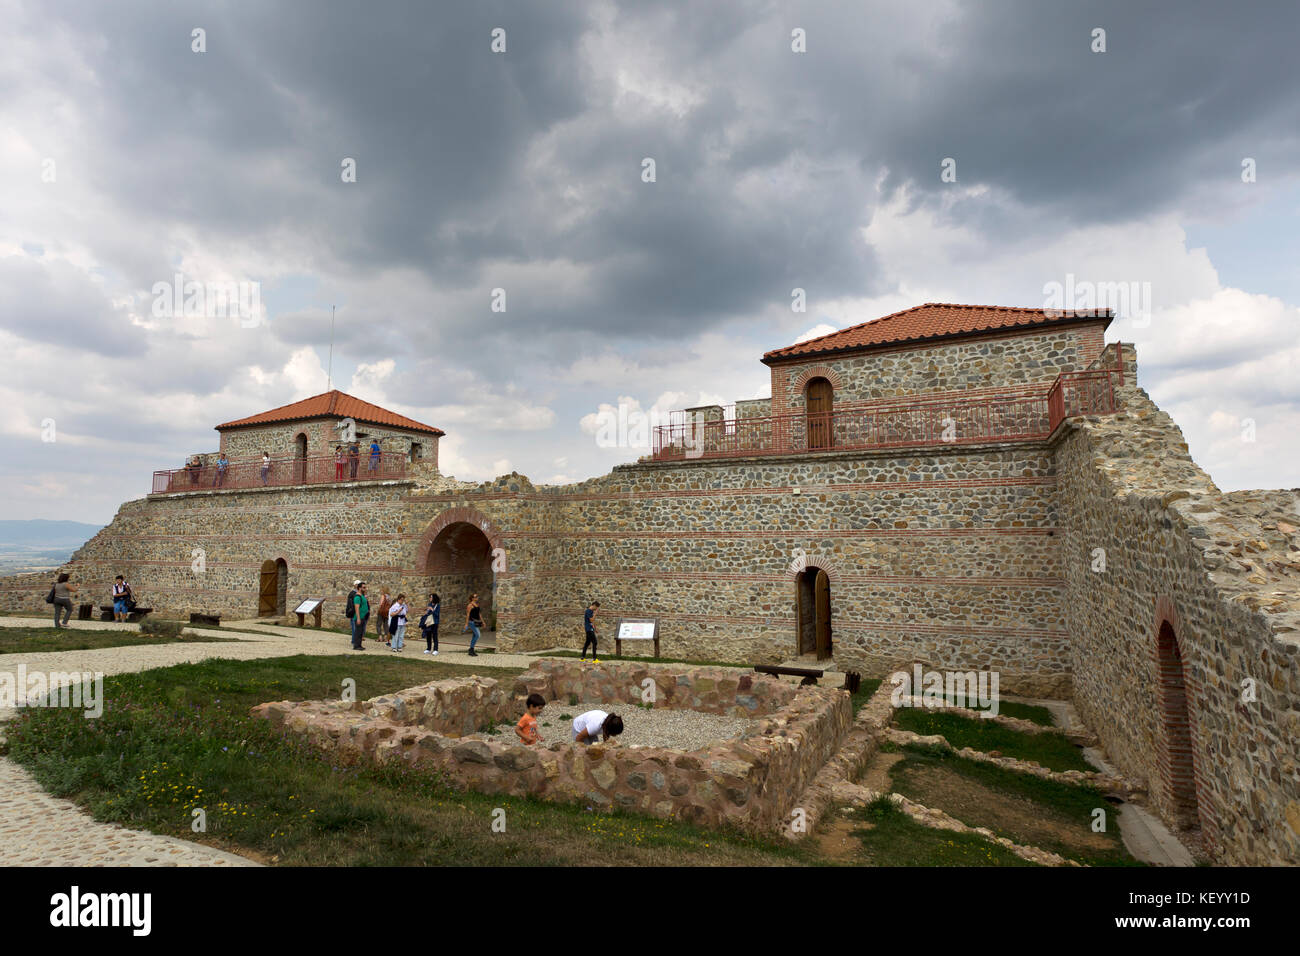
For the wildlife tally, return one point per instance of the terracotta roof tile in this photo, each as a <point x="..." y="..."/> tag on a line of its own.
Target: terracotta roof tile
<point x="934" y="320"/>
<point x="334" y="404"/>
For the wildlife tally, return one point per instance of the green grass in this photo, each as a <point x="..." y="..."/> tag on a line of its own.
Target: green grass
<point x="893" y="839"/>
<point x="865" y="689"/>
<point x="178" y="738"/>
<point x="1074" y="805"/>
<point x="1051" y="750"/>
<point x="43" y="640"/>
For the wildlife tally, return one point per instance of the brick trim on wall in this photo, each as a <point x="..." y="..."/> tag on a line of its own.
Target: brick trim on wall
<point x="1178" y="697"/>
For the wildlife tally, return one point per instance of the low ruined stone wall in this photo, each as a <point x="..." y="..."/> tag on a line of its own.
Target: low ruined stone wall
<point x="749" y="783"/>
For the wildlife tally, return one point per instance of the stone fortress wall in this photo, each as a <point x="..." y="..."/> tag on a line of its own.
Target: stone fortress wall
<point x="1217" y="739"/>
<point x="965" y="557"/>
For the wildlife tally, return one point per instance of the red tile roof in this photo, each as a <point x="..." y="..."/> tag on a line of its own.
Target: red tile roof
<point x="934" y="320"/>
<point x="334" y="404"/>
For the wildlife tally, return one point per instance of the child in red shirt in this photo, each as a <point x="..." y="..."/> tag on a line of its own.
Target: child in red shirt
<point x="527" y="726"/>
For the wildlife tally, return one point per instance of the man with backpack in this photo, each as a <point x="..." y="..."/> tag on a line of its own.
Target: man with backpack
<point x="357" y="611"/>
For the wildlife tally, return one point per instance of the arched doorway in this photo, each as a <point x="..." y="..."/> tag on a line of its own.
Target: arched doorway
<point x="813" y="612"/>
<point x="1177" y="758"/>
<point x="300" y="453"/>
<point x="459" y="563"/>
<point x="273" y="588"/>
<point x="819" y="401"/>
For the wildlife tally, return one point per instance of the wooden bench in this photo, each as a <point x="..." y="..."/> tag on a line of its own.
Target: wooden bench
<point x="852" y="679"/>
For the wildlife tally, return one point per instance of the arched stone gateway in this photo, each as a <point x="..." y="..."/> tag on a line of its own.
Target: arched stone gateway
<point x="1175" y="699"/>
<point x="812" y="601"/>
<point x="459" y="555"/>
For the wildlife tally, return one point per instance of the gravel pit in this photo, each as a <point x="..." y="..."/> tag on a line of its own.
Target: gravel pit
<point x="642" y="727"/>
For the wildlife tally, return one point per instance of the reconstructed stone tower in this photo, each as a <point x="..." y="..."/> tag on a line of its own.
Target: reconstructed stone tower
<point x="968" y="487"/>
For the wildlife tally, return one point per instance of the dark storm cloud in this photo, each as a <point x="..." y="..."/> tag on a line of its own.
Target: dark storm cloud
<point x="764" y="181"/>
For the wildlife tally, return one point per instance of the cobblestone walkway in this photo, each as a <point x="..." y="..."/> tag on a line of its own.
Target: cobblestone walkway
<point x="37" y="829"/>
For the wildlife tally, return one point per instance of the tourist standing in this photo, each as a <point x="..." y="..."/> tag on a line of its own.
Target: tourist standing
<point x="358" y="610"/>
<point x="354" y="458"/>
<point x="121" y="599"/>
<point x="63" y="592"/>
<point x="473" y="622"/>
<point x="374" y="455"/>
<point x="397" y="623"/>
<point x="266" y="466"/>
<point x="340" y="462"/>
<point x="429" y="624"/>
<point x="381" y="619"/>
<point x="219" y="479"/>
<point x="589" y="631"/>
<point x="194" y="468"/>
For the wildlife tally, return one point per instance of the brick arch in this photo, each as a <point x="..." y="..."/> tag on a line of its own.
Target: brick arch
<point x="800" y="382"/>
<point x="814" y="561"/>
<point x="445" y="520"/>
<point x="1178" y="744"/>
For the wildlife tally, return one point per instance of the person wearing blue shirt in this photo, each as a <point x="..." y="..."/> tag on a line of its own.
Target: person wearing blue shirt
<point x="374" y="455"/>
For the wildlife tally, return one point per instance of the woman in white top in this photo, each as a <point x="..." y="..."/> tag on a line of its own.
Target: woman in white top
<point x="595" y="726"/>
<point x="397" y="622"/>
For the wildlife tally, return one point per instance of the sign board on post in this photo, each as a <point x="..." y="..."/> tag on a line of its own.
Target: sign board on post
<point x="312" y="606"/>
<point x="636" y="629"/>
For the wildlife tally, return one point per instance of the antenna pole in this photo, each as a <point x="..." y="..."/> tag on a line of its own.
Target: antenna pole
<point x="329" y="374"/>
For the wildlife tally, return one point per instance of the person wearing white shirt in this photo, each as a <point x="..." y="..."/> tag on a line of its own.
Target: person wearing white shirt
<point x="397" y="623"/>
<point x="595" y="726"/>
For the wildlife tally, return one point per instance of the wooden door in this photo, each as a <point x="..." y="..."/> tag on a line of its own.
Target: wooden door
<point x="823" y="591"/>
<point x="818" y="400"/>
<point x="300" y="449"/>
<point x="269" y="592"/>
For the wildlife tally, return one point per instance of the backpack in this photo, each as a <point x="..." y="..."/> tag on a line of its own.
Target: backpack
<point x="351" y="610"/>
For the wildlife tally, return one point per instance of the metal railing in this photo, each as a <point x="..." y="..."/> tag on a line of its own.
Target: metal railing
<point x="248" y="473"/>
<point x="1013" y="416"/>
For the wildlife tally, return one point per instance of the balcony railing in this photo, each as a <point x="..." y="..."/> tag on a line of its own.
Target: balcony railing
<point x="247" y="473"/>
<point x="1000" y="417"/>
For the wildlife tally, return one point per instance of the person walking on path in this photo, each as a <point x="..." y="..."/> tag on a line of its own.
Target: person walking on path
<point x="219" y="479"/>
<point x="381" y="620"/>
<point x="429" y="624"/>
<point x="397" y="623"/>
<point x="121" y="599"/>
<point x="474" y="623"/>
<point x="63" y="592"/>
<point x="589" y="631"/>
<point x="358" y="610"/>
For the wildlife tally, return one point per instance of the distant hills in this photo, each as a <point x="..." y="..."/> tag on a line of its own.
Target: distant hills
<point x="39" y="544"/>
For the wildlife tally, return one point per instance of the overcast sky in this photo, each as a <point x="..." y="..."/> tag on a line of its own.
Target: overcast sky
<point x="128" y="157"/>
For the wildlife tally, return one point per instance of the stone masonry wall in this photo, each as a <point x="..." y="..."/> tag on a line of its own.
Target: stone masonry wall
<point x="1223" y="571"/>
<point x="988" y="362"/>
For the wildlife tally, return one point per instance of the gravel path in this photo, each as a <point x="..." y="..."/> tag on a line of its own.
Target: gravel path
<point x="656" y="727"/>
